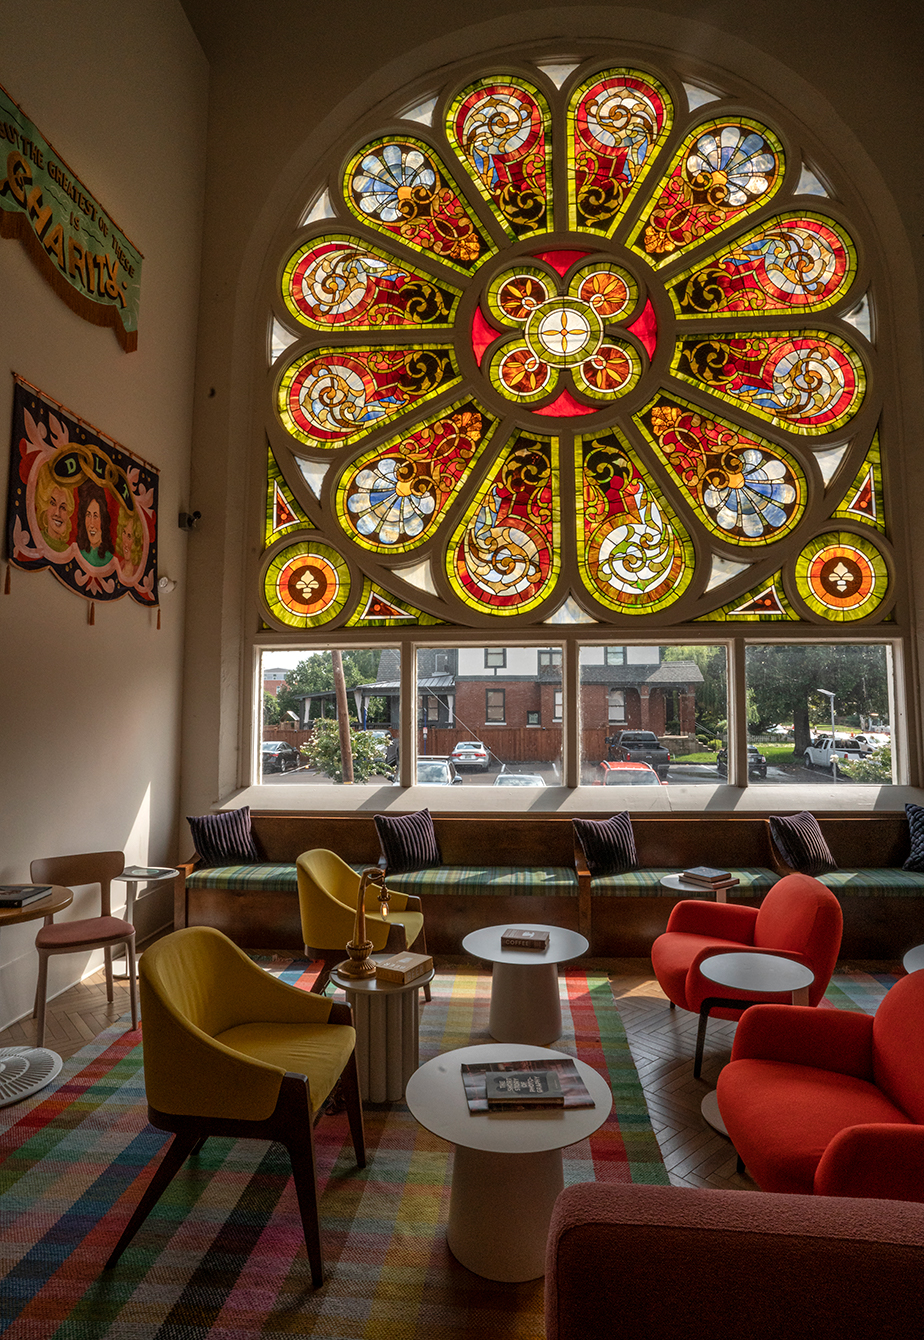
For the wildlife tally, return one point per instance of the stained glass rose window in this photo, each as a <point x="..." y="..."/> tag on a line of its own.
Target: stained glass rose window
<point x="573" y="345"/>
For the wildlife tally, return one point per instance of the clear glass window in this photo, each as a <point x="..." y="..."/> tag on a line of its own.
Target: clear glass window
<point x="300" y="736"/>
<point x="664" y="707"/>
<point x="800" y="695"/>
<point x="494" y="705"/>
<point x="495" y="658"/>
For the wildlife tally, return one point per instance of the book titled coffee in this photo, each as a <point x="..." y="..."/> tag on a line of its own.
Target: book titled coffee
<point x="515" y="937"/>
<point x="403" y="968"/>
<point x="523" y="1088"/>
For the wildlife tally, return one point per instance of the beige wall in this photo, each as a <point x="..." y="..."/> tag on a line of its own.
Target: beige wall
<point x="288" y="80"/>
<point x="90" y="716"/>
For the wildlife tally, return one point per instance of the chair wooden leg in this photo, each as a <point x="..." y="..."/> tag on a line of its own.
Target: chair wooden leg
<point x="739" y="1166"/>
<point x="41" y="993"/>
<point x="132" y="979"/>
<point x="701" y="1038"/>
<point x="349" y="1084"/>
<point x="423" y="938"/>
<point x="107" y="956"/>
<point x="298" y="1138"/>
<point x="179" y="1149"/>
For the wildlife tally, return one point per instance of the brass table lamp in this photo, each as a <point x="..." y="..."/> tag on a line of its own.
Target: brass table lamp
<point x="359" y="965"/>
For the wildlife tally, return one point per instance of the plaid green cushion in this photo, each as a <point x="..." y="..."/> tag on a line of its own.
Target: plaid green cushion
<point x="754" y="880"/>
<point x="871" y="883"/>
<point x="245" y="877"/>
<point x="486" y="879"/>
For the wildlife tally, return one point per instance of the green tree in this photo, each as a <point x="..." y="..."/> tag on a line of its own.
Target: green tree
<point x="270" y="710"/>
<point x="323" y="752"/>
<point x="315" y="675"/>
<point x="783" y="684"/>
<point x="712" y="694"/>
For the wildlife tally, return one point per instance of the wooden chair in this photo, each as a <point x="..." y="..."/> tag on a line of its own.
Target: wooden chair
<point x="229" y="1050"/>
<point x="104" y="932"/>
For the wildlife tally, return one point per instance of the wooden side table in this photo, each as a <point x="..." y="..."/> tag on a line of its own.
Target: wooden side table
<point x="25" y="1070"/>
<point x="386" y="1018"/>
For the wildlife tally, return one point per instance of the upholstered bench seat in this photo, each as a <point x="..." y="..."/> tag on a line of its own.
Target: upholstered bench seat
<point x="280" y="878"/>
<point x="872" y="882"/>
<point x="753" y="882"/>
<point x="555" y="881"/>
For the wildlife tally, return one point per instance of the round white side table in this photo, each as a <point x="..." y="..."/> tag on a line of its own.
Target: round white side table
<point x="914" y="959"/>
<point x="524" y="989"/>
<point x="385" y="1016"/>
<point x="753" y="971"/>
<point x="507" y="1168"/>
<point x="681" y="885"/>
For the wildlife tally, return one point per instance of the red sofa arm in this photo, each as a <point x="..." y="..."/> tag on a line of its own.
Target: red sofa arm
<point x="836" y="1040"/>
<point x="673" y="1262"/>
<point x="880" y="1160"/>
<point x="723" y="921"/>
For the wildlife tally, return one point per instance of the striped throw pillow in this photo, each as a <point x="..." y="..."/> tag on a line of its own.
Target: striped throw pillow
<point x="408" y="842"/>
<point x="915" y="860"/>
<point x="801" y="843"/>
<point x="224" y="838"/>
<point x="608" y="844"/>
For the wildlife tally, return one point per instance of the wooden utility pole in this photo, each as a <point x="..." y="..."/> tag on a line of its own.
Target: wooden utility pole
<point x="343" y="719"/>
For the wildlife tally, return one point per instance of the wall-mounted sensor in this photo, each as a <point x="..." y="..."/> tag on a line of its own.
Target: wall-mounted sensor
<point x="189" y="520"/>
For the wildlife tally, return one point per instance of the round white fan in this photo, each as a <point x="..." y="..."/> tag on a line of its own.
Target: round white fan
<point x="25" y="1070"/>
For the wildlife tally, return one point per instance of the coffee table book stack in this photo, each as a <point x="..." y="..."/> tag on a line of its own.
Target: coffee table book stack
<point x="519" y="1085"/>
<point x="515" y="937"/>
<point x="707" y="877"/>
<point x="403" y="968"/>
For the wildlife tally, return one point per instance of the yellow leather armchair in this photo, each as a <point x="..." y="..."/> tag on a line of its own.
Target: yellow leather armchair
<point x="230" y="1050"/>
<point x="327" y="893"/>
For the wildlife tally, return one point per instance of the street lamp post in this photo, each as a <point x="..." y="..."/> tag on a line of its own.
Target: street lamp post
<point x="828" y="694"/>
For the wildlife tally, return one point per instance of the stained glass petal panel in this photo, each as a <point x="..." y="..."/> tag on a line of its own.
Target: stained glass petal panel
<point x="400" y="187"/>
<point x="634" y="554"/>
<point x="339" y="283"/>
<point x="306" y="584"/>
<point x="723" y="171"/>
<point x="746" y="490"/>
<point x="333" y="396"/>
<point x="795" y="262"/>
<point x="392" y="498"/>
<point x="842" y="576"/>
<point x="617" y="120"/>
<point x="810" y="383"/>
<point x="505" y="556"/>
<point x="501" y="129"/>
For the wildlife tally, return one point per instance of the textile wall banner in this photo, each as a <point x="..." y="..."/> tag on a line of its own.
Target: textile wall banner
<point x="86" y="258"/>
<point x="79" y="503"/>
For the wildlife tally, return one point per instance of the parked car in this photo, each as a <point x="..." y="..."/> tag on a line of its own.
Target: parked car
<point x="628" y="774"/>
<point x="437" y="772"/>
<point x="278" y="756"/>
<point x="757" y="762"/>
<point x="471" y="754"/>
<point x="823" y="751"/>
<point x="639" y="746"/>
<point x="519" y="779"/>
<point x="871" y="740"/>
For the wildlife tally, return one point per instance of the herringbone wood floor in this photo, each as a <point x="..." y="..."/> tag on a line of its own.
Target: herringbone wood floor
<point x="661" y="1040"/>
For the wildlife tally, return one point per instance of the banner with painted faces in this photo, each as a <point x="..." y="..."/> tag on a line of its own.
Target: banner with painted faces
<point x="79" y="504"/>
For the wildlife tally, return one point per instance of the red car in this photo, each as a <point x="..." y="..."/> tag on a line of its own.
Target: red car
<point x="628" y="774"/>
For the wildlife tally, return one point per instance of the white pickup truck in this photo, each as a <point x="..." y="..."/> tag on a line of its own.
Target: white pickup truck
<point x="821" y="753"/>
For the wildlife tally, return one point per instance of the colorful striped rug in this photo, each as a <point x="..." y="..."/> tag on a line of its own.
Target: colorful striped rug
<point x="222" y="1255"/>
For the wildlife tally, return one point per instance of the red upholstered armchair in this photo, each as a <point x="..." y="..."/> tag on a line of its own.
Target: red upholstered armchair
<point x="830" y="1102"/>
<point x="799" y="919"/>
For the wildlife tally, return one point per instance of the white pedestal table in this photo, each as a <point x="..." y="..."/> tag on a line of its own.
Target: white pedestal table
<point x="524" y="989"/>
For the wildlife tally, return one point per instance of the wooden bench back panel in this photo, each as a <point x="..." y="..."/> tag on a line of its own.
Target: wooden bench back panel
<point x="701" y="840"/>
<point x="283" y="837"/>
<point x="871" y="840"/>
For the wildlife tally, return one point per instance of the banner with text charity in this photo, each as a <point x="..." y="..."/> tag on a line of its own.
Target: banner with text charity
<point x="87" y="260"/>
<point x="79" y="504"/>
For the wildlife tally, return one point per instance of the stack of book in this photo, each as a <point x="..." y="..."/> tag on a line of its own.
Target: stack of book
<point x="707" y="877"/>
<point x="518" y="1086"/>
<point x="18" y="895"/>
